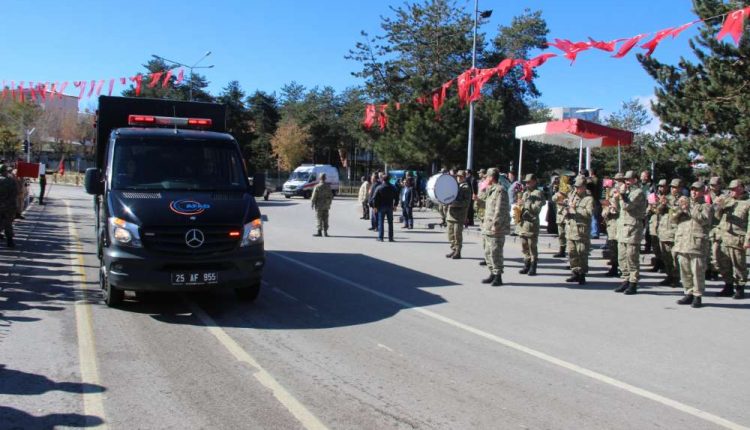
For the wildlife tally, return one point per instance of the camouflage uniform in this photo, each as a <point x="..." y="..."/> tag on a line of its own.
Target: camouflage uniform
<point x="611" y="214"/>
<point x="714" y="235"/>
<point x="578" y="232"/>
<point x="528" y="229"/>
<point x="667" y="229"/>
<point x="321" y="199"/>
<point x="495" y="226"/>
<point x="561" y="234"/>
<point x="734" y="234"/>
<point x="456" y="216"/>
<point x="691" y="246"/>
<point x="653" y="228"/>
<point x="632" y="205"/>
<point x="8" y="194"/>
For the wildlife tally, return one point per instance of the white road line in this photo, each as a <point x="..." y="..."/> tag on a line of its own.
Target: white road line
<point x="93" y="402"/>
<point x="380" y="345"/>
<point x="294" y="406"/>
<point x="285" y="294"/>
<point x="723" y="422"/>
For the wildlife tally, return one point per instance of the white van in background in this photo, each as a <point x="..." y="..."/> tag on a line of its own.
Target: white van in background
<point x="302" y="181"/>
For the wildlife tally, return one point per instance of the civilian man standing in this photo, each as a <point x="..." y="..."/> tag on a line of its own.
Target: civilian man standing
<point x="385" y="199"/>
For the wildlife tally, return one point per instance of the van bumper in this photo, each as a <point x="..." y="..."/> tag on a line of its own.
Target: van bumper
<point x="137" y="269"/>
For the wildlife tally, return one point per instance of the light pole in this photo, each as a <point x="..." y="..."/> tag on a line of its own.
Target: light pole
<point x="28" y="134"/>
<point x="470" y="150"/>
<point x="194" y="66"/>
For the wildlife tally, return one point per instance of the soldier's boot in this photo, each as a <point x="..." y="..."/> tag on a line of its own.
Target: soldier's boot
<point x="450" y="255"/>
<point x="655" y="267"/>
<point x="561" y="252"/>
<point x="573" y="277"/>
<point x="532" y="270"/>
<point x="488" y="279"/>
<point x="632" y="289"/>
<point x="526" y="267"/>
<point x="325" y="233"/>
<point x="727" y="291"/>
<point x="482" y="263"/>
<point x="687" y="299"/>
<point x="696" y="302"/>
<point x="739" y="292"/>
<point x="612" y="271"/>
<point x="456" y="255"/>
<point x="624" y="286"/>
<point x="317" y="234"/>
<point x="498" y="281"/>
<point x="581" y="279"/>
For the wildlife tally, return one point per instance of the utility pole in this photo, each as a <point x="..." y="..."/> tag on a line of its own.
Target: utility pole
<point x="28" y="134"/>
<point x="470" y="150"/>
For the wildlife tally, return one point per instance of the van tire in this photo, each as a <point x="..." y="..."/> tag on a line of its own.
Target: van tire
<point x="248" y="294"/>
<point x="287" y="196"/>
<point x="112" y="296"/>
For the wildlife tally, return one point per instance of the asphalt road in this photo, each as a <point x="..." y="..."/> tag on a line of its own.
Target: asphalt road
<point x="353" y="333"/>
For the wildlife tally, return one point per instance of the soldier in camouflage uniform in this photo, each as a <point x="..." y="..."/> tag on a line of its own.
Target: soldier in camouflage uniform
<point x="693" y="219"/>
<point x="632" y="203"/>
<point x="578" y="211"/>
<point x="611" y="213"/>
<point x="560" y="216"/>
<point x="321" y="199"/>
<point x="531" y="202"/>
<point x="714" y="236"/>
<point x="8" y="193"/>
<point x="653" y="219"/>
<point x="479" y="201"/>
<point x="667" y="228"/>
<point x="495" y="226"/>
<point x="734" y="231"/>
<point x="456" y="215"/>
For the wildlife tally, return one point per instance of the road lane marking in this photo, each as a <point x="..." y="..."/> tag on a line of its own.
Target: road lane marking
<point x="294" y="406"/>
<point x="715" y="419"/>
<point x="93" y="402"/>
<point x="380" y="345"/>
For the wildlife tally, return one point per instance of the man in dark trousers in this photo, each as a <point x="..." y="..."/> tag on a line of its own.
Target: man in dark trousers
<point x="384" y="200"/>
<point x="8" y="192"/>
<point x="42" y="182"/>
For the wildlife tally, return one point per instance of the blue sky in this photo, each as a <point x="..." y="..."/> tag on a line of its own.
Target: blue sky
<point x="266" y="44"/>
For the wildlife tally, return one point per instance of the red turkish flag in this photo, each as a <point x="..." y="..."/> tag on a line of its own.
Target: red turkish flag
<point x="369" y="119"/>
<point x="123" y="81"/>
<point x="5" y="91"/>
<point x="464" y="84"/>
<point x="138" y="80"/>
<point x="180" y="76"/>
<point x="32" y="91"/>
<point x="155" y="77"/>
<point x="570" y="49"/>
<point x="382" y="117"/>
<point x="82" y="86"/>
<point x="605" y="46"/>
<point x="734" y="25"/>
<point x="61" y="166"/>
<point x="61" y="91"/>
<point x="530" y="65"/>
<point x="481" y="76"/>
<point x="91" y="89"/>
<point x="676" y="32"/>
<point x="166" y="79"/>
<point x="41" y="89"/>
<point x="627" y="46"/>
<point x="438" y="97"/>
<point x="111" y="86"/>
<point x="651" y="44"/>
<point x="99" y="87"/>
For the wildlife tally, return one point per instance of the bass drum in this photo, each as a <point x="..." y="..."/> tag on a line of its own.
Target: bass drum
<point x="442" y="188"/>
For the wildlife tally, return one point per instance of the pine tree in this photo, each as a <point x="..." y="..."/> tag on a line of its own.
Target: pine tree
<point x="704" y="103"/>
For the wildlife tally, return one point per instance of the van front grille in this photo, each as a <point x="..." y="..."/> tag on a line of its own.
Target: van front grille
<point x="174" y="240"/>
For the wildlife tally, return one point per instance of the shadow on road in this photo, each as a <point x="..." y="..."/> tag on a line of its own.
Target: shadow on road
<point x="11" y="418"/>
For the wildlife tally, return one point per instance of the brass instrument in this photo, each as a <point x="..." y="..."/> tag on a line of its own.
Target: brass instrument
<point x="517" y="209"/>
<point x="565" y="185"/>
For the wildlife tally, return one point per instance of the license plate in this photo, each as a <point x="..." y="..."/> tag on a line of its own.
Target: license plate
<point x="195" y="278"/>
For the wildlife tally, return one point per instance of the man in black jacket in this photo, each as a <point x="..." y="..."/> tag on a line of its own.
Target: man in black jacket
<point x="384" y="200"/>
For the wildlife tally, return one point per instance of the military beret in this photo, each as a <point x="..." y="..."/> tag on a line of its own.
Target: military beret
<point x="662" y="182"/>
<point x="697" y="185"/>
<point x="530" y="177"/>
<point x="630" y="175"/>
<point x="735" y="183"/>
<point x="715" y="180"/>
<point x="619" y="176"/>
<point x="580" y="182"/>
<point x="460" y="173"/>
<point x="676" y="182"/>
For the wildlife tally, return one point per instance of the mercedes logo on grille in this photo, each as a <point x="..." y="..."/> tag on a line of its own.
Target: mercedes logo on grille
<point x="194" y="238"/>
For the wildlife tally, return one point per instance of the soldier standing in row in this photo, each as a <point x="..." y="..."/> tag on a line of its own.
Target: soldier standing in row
<point x="495" y="226"/>
<point x="531" y="202"/>
<point x="563" y="192"/>
<point x="667" y="228"/>
<point x="693" y="219"/>
<point x="632" y="203"/>
<point x="8" y="194"/>
<point x="321" y="199"/>
<point x="653" y="219"/>
<point x="612" y="213"/>
<point x="579" y="211"/>
<point x="456" y="215"/>
<point x="712" y="268"/>
<point x="734" y="230"/>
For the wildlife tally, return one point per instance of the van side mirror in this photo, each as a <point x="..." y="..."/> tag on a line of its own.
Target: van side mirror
<point x="93" y="181"/>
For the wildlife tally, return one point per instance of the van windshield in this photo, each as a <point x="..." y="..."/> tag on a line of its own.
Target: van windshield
<point x="300" y="176"/>
<point x="199" y="165"/>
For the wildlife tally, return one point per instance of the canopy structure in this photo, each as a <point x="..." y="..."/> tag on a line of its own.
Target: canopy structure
<point x="573" y="133"/>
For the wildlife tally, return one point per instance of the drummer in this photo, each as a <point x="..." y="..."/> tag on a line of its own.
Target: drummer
<point x="456" y="215"/>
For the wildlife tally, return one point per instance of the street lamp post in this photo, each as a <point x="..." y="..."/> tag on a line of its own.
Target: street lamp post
<point x="194" y="66"/>
<point x="470" y="150"/>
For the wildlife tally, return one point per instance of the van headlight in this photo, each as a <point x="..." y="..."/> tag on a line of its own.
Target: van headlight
<point x="124" y="233"/>
<point x="252" y="233"/>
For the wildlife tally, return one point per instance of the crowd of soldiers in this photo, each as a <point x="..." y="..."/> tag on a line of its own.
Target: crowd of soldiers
<point x="13" y="193"/>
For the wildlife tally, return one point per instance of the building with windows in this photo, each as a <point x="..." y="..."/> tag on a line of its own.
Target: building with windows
<point x="584" y="113"/>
